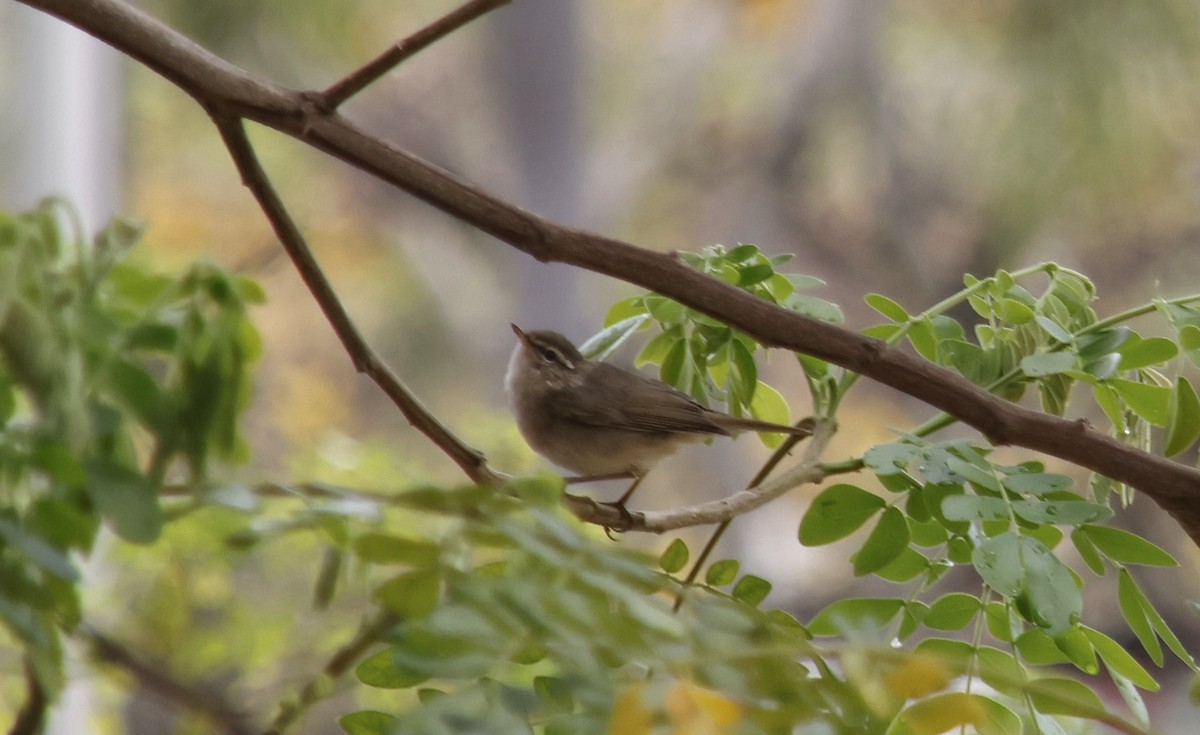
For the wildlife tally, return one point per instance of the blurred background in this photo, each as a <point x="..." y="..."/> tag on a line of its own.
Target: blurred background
<point x="891" y="145"/>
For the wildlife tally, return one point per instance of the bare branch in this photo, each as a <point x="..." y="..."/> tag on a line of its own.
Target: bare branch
<point x="196" y="698"/>
<point x="365" y="359"/>
<point x="360" y="78"/>
<point x="368" y="634"/>
<point x="809" y="470"/>
<point x="32" y="716"/>
<point x="226" y="89"/>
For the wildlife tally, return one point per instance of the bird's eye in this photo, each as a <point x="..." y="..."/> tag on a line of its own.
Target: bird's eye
<point x="551" y="356"/>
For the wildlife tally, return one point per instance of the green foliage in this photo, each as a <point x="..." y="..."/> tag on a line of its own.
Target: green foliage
<point x="948" y="503"/>
<point x="500" y="612"/>
<point x="109" y="374"/>
<point x="522" y="619"/>
<point x="704" y="357"/>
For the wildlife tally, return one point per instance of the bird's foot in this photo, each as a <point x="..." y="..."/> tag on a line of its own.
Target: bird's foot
<point x="623" y="525"/>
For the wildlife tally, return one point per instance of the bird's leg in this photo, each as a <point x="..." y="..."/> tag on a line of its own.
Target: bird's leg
<point x="626" y="517"/>
<point x="600" y="478"/>
<point x="619" y="504"/>
<point x="637" y="479"/>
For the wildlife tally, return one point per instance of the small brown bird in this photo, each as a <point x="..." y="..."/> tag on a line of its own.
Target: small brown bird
<point x="602" y="421"/>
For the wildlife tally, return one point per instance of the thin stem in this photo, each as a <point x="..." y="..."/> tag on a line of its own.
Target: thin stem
<point x="365" y="359"/>
<point x="815" y="449"/>
<point x="359" y="79"/>
<point x="345" y="657"/>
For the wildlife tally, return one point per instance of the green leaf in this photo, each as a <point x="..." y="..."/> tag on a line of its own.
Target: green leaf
<point x="769" y="405"/>
<point x="382" y="548"/>
<point x="625" y="309"/>
<point x="1051" y="599"/>
<point x="1132" y="603"/>
<point x="657" y="349"/>
<point x="1060" y="696"/>
<point x="1183" y="422"/>
<point x="745" y="370"/>
<point x="1160" y="626"/>
<point x="1000" y="670"/>
<point x="126" y="500"/>
<point x="411" y="595"/>
<point x="836" y="513"/>
<point x="908" y="565"/>
<point x="741" y="253"/>
<point x="751" y="590"/>
<point x="952" y="711"/>
<point x="1128" y="548"/>
<point x="136" y="390"/>
<point x="1054" y="330"/>
<point x="1078" y="649"/>
<point x="1151" y="402"/>
<point x="604" y="343"/>
<point x="974" y="508"/>
<point x="1048" y="363"/>
<point x="952" y="611"/>
<point x="998" y="562"/>
<point x="923" y="339"/>
<point x="674" y="557"/>
<point x="368" y="722"/>
<point x="1061" y="512"/>
<point x="1189" y="340"/>
<point x="380" y="670"/>
<point x="1107" y="399"/>
<point x="1094" y="345"/>
<point x="667" y="311"/>
<point x="1013" y="311"/>
<point x="753" y="274"/>
<point x="45" y="556"/>
<point x="887" y="307"/>
<point x="722" y="572"/>
<point x="1087" y="551"/>
<point x="1037" y="483"/>
<point x="885" y="459"/>
<point x="1038" y="648"/>
<point x="1140" y="353"/>
<point x="855" y="613"/>
<point x="883" y="332"/>
<point x="1118" y="660"/>
<point x="814" y="307"/>
<point x="887" y="540"/>
<point x="1024" y="569"/>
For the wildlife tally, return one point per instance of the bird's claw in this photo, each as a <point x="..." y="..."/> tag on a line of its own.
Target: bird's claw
<point x="625" y="524"/>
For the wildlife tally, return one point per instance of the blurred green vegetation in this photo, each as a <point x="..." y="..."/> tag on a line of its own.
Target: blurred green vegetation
<point x="891" y="147"/>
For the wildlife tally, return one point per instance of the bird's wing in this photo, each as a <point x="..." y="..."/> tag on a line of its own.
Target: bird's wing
<point x="617" y="398"/>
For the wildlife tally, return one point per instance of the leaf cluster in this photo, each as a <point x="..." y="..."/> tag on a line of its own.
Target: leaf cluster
<point x="706" y="358"/>
<point x="111" y="376"/>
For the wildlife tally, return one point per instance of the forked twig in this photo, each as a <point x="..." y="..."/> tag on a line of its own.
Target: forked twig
<point x="365" y="359"/>
<point x="358" y="80"/>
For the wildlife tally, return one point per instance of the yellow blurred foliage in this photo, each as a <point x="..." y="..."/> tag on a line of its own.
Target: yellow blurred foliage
<point x="918" y="676"/>
<point x="690" y="710"/>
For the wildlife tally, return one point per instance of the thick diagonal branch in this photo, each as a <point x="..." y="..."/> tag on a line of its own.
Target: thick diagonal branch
<point x="230" y="91"/>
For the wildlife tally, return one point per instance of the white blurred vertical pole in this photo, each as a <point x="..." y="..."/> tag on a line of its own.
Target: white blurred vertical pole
<point x="61" y="123"/>
<point x="60" y="135"/>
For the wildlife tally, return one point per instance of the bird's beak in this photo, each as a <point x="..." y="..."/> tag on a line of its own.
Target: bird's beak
<point x="520" y="335"/>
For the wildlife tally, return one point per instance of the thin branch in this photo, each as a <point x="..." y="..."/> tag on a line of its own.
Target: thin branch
<point x="809" y="470"/>
<point x="365" y="359"/>
<point x="345" y="657"/>
<point x="228" y="90"/>
<point x="32" y="715"/>
<point x="200" y="699"/>
<point x="360" y="78"/>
